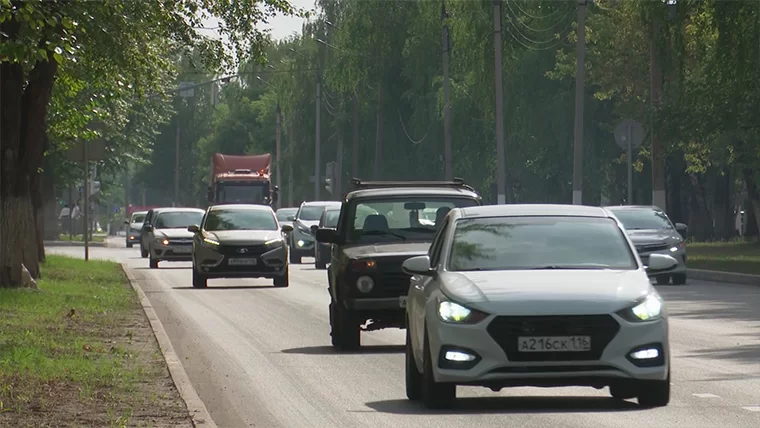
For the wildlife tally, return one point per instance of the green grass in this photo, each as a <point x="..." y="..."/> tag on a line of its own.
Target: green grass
<point x="731" y="256"/>
<point x="80" y="238"/>
<point x="67" y="351"/>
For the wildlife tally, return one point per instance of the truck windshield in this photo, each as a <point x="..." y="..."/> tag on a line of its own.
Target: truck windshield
<point x="399" y="219"/>
<point x="243" y="193"/>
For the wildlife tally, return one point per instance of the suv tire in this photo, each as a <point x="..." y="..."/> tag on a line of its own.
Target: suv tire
<point x="345" y="329"/>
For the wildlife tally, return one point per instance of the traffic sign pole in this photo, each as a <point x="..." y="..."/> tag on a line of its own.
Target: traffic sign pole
<point x="629" y="135"/>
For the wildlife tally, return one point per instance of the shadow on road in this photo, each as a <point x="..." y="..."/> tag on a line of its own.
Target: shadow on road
<point x="226" y="287"/>
<point x="329" y="350"/>
<point x="161" y="267"/>
<point x="509" y="405"/>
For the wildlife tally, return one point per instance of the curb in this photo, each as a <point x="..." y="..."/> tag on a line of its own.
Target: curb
<point x="72" y="244"/>
<point x="732" y="277"/>
<point x="198" y="412"/>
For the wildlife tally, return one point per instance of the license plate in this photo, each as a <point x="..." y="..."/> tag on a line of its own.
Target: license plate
<point x="183" y="250"/>
<point x="402" y="301"/>
<point x="241" y="262"/>
<point x="554" y="344"/>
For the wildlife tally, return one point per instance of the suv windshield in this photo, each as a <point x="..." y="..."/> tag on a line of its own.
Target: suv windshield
<point x="228" y="219"/>
<point x="177" y="219"/>
<point x="310" y="212"/>
<point x="138" y="218"/>
<point x="641" y="219"/>
<point x="400" y="218"/>
<point x="331" y="218"/>
<point x="521" y="243"/>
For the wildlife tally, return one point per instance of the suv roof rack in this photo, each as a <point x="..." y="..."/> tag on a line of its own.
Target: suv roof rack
<point x="457" y="183"/>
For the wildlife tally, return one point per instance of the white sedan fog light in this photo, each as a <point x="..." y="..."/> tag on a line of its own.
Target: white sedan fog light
<point x="459" y="356"/>
<point x="365" y="284"/>
<point x="645" y="354"/>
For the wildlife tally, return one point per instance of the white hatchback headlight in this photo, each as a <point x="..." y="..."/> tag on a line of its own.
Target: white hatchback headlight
<point x="649" y="309"/>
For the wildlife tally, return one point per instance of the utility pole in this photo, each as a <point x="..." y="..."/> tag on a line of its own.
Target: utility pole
<point x="355" y="160"/>
<point x="499" y="93"/>
<point x="655" y="77"/>
<point x="278" y="154"/>
<point x="127" y="186"/>
<point x="176" y="167"/>
<point x="86" y="231"/>
<point x="448" y="161"/>
<point x="338" y="171"/>
<point x="580" y="69"/>
<point x="317" y="181"/>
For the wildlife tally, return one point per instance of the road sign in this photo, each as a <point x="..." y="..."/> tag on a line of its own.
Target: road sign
<point x="96" y="151"/>
<point x="637" y="134"/>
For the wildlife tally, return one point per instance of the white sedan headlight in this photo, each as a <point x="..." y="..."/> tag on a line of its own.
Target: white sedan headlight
<point x="456" y="313"/>
<point x="648" y="310"/>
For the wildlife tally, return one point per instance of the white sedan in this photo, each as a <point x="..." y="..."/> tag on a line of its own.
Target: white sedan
<point x="535" y="295"/>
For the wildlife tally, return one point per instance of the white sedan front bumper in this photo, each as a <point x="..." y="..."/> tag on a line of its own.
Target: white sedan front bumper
<point x="497" y="363"/>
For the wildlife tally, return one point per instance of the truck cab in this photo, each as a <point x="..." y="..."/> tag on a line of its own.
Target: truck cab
<point x="241" y="179"/>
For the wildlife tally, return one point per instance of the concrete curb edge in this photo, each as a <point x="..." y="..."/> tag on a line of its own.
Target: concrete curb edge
<point x="732" y="277"/>
<point x="198" y="412"/>
<point x="72" y="244"/>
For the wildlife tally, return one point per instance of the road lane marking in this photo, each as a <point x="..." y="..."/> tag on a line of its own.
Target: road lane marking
<point x="752" y="408"/>
<point x="705" y="395"/>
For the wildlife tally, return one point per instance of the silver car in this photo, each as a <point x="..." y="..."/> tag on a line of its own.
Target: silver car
<point x="134" y="226"/>
<point x="535" y="295"/>
<point x="301" y="239"/>
<point x="652" y="232"/>
<point x="168" y="238"/>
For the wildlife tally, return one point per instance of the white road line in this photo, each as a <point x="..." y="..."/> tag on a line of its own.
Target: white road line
<point x="752" y="408"/>
<point x="705" y="395"/>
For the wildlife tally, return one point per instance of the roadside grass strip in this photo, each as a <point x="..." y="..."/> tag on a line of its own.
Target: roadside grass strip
<point x="80" y="238"/>
<point x="80" y="352"/>
<point x="731" y="256"/>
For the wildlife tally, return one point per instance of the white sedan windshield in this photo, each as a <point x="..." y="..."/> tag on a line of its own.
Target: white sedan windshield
<point x="520" y="243"/>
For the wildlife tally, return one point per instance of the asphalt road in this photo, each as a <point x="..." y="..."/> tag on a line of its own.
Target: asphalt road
<point x="261" y="357"/>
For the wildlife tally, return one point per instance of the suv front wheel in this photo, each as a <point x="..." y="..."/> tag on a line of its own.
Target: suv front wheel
<point x="345" y="328"/>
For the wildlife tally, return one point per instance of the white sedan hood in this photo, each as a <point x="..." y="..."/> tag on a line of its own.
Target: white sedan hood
<point x="547" y="292"/>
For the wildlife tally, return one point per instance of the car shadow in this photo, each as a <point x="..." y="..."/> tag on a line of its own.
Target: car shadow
<point x="226" y="287"/>
<point x="509" y="405"/>
<point x="162" y="268"/>
<point x="329" y="350"/>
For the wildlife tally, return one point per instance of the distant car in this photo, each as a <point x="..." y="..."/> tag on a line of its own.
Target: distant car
<point x="301" y="240"/>
<point x="379" y="227"/>
<point x="239" y="241"/>
<point x="134" y="227"/>
<point x="286" y="216"/>
<point x="652" y="232"/>
<point x="329" y="219"/>
<point x="146" y="229"/>
<point x="535" y="295"/>
<point x="167" y="236"/>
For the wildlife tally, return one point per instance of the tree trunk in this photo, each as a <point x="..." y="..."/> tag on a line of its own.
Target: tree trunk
<point x="379" y="133"/>
<point x="23" y="114"/>
<point x="753" y="194"/>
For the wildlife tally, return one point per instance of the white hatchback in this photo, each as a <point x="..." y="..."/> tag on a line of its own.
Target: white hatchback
<point x="535" y="295"/>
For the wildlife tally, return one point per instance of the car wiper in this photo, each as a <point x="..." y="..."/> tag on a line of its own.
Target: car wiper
<point x="420" y="229"/>
<point x="383" y="233"/>
<point x="573" y="267"/>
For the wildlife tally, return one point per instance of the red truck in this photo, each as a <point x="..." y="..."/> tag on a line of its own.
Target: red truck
<point x="241" y="180"/>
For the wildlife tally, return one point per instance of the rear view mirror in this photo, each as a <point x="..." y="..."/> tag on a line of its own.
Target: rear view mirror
<point x="682" y="228"/>
<point x="126" y="221"/>
<point x="193" y="228"/>
<point x="412" y="206"/>
<point x="286" y="228"/>
<point x="327" y="236"/>
<point x="419" y="265"/>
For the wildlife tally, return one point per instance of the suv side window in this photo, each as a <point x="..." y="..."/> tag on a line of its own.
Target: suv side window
<point x="437" y="245"/>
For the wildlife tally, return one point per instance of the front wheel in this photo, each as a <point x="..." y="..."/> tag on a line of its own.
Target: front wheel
<point x="413" y="375"/>
<point x="679" y="279"/>
<point x="435" y="395"/>
<point x="294" y="258"/>
<point x="662" y="279"/>
<point x="199" y="280"/>
<point x="345" y="329"/>
<point x="143" y="252"/>
<point x="129" y="245"/>
<point x="284" y="280"/>
<point x="654" y="393"/>
<point x="153" y="263"/>
<point x="319" y="263"/>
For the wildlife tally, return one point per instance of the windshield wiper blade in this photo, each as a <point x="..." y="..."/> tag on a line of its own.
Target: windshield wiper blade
<point x="383" y="233"/>
<point x="572" y="267"/>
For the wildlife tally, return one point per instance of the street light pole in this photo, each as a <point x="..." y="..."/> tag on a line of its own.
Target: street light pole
<point x="500" y="164"/>
<point x="176" y="166"/>
<point x="317" y="181"/>
<point x="278" y="154"/>
<point x="448" y="161"/>
<point x="580" y="68"/>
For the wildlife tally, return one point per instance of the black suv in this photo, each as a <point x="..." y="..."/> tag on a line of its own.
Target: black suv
<point x="381" y="224"/>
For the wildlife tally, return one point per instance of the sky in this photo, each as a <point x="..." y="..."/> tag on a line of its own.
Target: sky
<point x="281" y="26"/>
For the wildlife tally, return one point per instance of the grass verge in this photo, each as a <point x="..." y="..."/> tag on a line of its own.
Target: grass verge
<point x="733" y="256"/>
<point x="80" y="238"/>
<point x="82" y="353"/>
